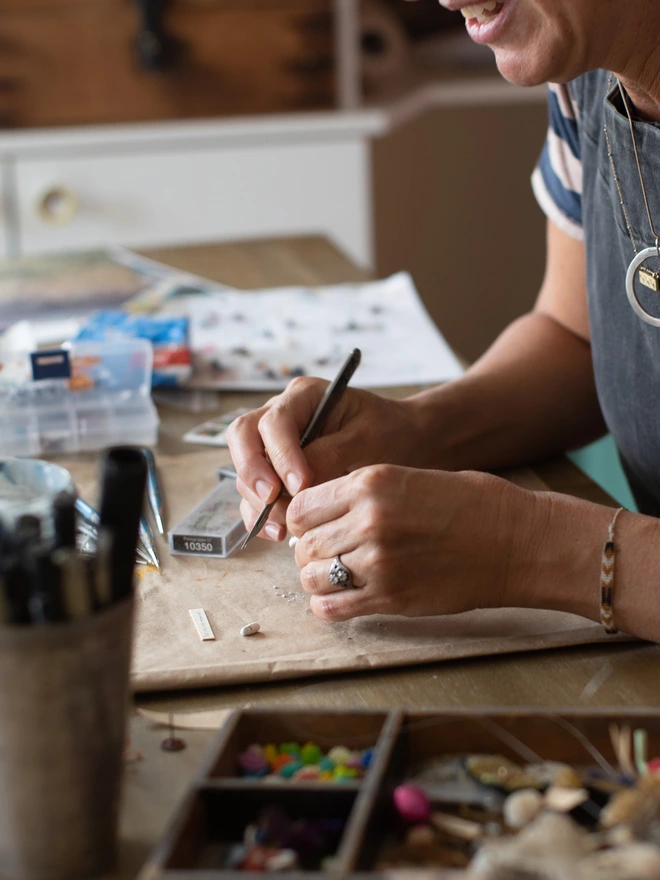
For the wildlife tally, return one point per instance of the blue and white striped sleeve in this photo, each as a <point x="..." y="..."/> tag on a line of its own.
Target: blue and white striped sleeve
<point x="557" y="178"/>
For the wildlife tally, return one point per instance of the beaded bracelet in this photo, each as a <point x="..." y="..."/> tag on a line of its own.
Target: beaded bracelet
<point x="607" y="579"/>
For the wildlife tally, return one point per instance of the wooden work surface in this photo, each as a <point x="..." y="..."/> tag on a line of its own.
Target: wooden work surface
<point x="617" y="675"/>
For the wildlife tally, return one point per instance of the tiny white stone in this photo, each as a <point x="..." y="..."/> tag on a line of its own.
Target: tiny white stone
<point x="250" y="629"/>
<point x="293" y="541"/>
<point x="284" y="860"/>
<point x="522" y="807"/>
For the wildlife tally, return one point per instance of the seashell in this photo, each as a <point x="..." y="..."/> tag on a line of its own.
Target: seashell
<point x="563" y="800"/>
<point x="522" y="807"/>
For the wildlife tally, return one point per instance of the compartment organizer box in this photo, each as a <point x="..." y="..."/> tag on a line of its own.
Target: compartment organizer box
<point x="220" y="803"/>
<point x="81" y="398"/>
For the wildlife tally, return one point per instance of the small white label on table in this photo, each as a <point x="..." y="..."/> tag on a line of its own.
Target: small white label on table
<point x="202" y="624"/>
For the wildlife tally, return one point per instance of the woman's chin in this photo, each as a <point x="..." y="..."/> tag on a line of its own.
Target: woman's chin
<point x="522" y="71"/>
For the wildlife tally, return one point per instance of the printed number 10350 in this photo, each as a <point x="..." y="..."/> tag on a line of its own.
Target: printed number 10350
<point x="196" y="546"/>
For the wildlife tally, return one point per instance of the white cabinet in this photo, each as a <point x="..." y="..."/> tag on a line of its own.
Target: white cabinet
<point x="5" y="214"/>
<point x="151" y="184"/>
<point x="145" y="186"/>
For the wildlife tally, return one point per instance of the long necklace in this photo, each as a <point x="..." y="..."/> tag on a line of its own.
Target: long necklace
<point x="648" y="277"/>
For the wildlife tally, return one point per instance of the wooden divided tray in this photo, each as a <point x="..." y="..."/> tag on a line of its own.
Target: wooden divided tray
<point x="220" y="803"/>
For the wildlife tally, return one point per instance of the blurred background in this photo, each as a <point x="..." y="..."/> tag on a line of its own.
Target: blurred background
<point x="376" y="123"/>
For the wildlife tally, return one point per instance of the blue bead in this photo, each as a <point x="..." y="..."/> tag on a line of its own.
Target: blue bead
<point x="367" y="757"/>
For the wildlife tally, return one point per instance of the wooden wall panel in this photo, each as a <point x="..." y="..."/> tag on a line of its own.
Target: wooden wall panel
<point x="66" y="62"/>
<point x="454" y="206"/>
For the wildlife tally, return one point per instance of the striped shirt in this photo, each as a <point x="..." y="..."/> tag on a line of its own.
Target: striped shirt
<point x="557" y="178"/>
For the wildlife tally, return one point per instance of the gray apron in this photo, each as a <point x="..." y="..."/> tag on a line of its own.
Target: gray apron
<point x="626" y="351"/>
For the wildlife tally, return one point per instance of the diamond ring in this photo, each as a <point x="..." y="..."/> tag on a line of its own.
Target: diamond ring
<point x="339" y="575"/>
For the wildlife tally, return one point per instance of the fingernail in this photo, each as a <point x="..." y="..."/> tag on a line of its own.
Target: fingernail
<point x="273" y="531"/>
<point x="293" y="483"/>
<point x="263" y="490"/>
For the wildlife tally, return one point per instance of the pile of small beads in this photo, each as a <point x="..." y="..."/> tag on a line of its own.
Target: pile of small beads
<point x="276" y="842"/>
<point x="303" y="763"/>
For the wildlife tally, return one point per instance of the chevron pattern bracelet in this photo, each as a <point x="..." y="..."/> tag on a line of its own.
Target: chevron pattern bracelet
<point x="607" y="579"/>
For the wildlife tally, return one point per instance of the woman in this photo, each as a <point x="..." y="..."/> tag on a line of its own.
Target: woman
<point x="386" y="488"/>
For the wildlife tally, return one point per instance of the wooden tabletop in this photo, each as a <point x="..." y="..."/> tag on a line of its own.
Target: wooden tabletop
<point x="597" y="676"/>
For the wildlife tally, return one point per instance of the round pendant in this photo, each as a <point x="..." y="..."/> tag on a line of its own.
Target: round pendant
<point x="630" y="286"/>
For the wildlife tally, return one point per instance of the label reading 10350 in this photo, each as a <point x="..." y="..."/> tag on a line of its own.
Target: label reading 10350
<point x="204" y="544"/>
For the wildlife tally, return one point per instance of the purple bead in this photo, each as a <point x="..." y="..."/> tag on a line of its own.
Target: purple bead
<point x="253" y="762"/>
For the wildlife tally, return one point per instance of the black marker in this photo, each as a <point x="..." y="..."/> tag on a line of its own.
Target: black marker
<point x="45" y="598"/>
<point x="123" y="480"/>
<point x="15" y="588"/>
<point x="28" y="531"/>
<point x="64" y="519"/>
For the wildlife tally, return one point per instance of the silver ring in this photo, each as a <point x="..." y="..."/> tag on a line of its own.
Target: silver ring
<point x="339" y="575"/>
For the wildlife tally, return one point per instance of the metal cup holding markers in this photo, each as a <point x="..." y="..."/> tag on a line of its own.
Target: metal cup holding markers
<point x="62" y="726"/>
<point x="63" y="702"/>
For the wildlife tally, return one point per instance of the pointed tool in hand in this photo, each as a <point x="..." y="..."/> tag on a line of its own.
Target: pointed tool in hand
<point x="314" y="427"/>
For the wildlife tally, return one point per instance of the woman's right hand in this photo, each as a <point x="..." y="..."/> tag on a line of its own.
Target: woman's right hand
<point x="363" y="429"/>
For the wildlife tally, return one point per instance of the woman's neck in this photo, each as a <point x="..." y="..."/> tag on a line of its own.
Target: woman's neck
<point x="646" y="105"/>
<point x="636" y="61"/>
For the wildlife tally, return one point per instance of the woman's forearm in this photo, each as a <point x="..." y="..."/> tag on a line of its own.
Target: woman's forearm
<point x="531" y="396"/>
<point x="556" y="562"/>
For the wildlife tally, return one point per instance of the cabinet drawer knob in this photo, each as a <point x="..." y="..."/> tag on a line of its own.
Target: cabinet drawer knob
<point x="57" y="206"/>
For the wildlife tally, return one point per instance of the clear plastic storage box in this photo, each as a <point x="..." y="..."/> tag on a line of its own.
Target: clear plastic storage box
<point x="83" y="397"/>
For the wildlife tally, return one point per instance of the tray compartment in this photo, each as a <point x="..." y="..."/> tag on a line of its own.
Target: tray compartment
<point x="217" y="817"/>
<point x="355" y="730"/>
<point x="524" y="737"/>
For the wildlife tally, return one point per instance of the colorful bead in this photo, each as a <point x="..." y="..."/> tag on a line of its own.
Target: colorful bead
<point x="306" y="773"/>
<point x="412" y="803"/>
<point x="281" y="761"/>
<point x="288" y="770"/>
<point x="367" y="758"/>
<point x="310" y="753"/>
<point x="270" y="753"/>
<point x="340" y="764"/>
<point x="339" y="755"/>
<point x="253" y="761"/>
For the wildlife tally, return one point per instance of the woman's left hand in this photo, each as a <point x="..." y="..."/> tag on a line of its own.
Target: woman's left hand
<point x="416" y="542"/>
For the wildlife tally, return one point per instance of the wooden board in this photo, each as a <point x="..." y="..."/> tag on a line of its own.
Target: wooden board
<point x="65" y="62"/>
<point x="262" y="584"/>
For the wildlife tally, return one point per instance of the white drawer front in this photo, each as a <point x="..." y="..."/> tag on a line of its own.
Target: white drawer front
<point x="162" y="197"/>
<point x="7" y="228"/>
